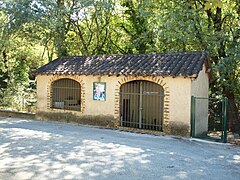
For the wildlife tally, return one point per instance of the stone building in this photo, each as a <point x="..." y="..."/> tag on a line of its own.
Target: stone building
<point x="144" y="91"/>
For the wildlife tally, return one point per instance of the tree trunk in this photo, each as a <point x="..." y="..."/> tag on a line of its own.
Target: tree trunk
<point x="232" y="112"/>
<point x="60" y="30"/>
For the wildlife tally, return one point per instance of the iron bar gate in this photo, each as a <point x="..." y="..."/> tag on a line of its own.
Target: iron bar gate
<point x="209" y="118"/>
<point x="66" y="94"/>
<point x="141" y="105"/>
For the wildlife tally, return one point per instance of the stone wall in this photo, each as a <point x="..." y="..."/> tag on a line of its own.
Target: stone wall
<point x="17" y="114"/>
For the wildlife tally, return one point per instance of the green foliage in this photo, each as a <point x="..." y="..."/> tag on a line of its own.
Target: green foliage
<point x="204" y="25"/>
<point x="212" y="4"/>
<point x="19" y="56"/>
<point x="137" y="15"/>
<point x="34" y="32"/>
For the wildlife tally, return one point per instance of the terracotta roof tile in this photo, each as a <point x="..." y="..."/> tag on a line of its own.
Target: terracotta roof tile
<point x="187" y="64"/>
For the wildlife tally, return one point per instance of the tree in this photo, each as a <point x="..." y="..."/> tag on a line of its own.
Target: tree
<point x="90" y="24"/>
<point x="89" y="27"/>
<point x="136" y="25"/>
<point x="206" y="25"/>
<point x="18" y="55"/>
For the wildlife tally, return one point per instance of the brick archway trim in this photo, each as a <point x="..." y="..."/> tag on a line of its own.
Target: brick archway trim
<point x="158" y="80"/>
<point x="57" y="77"/>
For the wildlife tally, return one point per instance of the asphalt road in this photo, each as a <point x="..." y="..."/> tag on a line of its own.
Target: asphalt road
<point x="51" y="150"/>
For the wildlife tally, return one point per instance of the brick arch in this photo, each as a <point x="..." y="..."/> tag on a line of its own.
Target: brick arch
<point x="58" y="77"/>
<point x="158" y="80"/>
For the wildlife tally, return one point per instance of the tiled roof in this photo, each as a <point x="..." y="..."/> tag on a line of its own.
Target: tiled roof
<point x="186" y="64"/>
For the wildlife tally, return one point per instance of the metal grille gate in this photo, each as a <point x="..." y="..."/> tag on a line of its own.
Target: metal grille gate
<point x="66" y="94"/>
<point x="215" y="122"/>
<point x="141" y="105"/>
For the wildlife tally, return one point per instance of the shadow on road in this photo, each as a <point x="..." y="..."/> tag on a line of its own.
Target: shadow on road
<point x="52" y="150"/>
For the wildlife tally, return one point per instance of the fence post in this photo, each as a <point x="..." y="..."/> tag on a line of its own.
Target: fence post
<point x="224" y="119"/>
<point x="193" y="111"/>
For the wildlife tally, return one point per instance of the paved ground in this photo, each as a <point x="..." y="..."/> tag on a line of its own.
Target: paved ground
<point x="53" y="150"/>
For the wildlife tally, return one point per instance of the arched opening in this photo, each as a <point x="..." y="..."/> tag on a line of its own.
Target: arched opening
<point x="141" y="105"/>
<point x="66" y="94"/>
